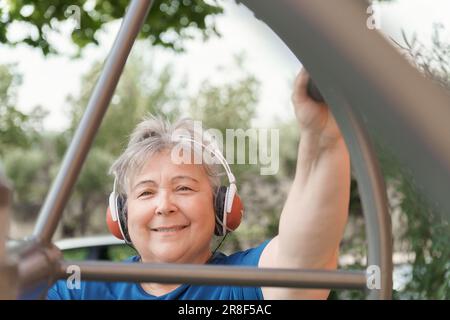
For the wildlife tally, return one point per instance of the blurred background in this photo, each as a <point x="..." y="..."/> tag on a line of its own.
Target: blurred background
<point x="213" y="61"/>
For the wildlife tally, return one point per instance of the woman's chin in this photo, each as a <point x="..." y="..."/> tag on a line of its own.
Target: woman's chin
<point x="168" y="254"/>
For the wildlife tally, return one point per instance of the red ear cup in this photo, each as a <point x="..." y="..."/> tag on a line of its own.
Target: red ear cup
<point x="235" y="216"/>
<point x="118" y="228"/>
<point x="113" y="226"/>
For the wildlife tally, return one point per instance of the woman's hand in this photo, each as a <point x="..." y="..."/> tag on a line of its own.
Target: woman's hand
<point x="314" y="215"/>
<point x="314" y="119"/>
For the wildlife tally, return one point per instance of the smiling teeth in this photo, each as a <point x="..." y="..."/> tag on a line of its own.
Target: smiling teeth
<point x="169" y="229"/>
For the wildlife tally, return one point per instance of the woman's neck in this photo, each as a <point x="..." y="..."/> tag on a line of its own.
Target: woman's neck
<point x="159" y="289"/>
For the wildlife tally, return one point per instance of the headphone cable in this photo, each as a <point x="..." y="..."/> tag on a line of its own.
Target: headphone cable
<point x="221" y="241"/>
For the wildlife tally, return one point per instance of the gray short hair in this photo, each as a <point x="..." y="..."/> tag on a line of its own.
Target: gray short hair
<point x="151" y="136"/>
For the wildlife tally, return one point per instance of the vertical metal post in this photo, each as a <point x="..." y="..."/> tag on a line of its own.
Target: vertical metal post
<point x="372" y="190"/>
<point x="5" y="200"/>
<point x="8" y="268"/>
<point x="59" y="193"/>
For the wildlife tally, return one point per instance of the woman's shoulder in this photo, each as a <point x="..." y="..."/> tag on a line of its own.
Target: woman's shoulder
<point x="248" y="257"/>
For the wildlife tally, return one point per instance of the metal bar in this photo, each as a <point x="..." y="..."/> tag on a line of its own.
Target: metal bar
<point x="5" y="203"/>
<point x="372" y="190"/>
<point x="8" y="268"/>
<point x="59" y="193"/>
<point x="218" y="275"/>
<point x="312" y="41"/>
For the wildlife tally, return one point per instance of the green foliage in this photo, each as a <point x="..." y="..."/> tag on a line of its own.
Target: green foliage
<point x="24" y="167"/>
<point x="32" y="170"/>
<point x="13" y="123"/>
<point x="19" y="132"/>
<point x="427" y="234"/>
<point x="75" y="254"/>
<point x="120" y="252"/>
<point x="111" y="253"/>
<point x="428" y="230"/>
<point x="229" y="106"/>
<point x="434" y="61"/>
<point x="169" y="23"/>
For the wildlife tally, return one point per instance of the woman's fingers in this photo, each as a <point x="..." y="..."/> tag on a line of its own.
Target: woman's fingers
<point x="300" y="93"/>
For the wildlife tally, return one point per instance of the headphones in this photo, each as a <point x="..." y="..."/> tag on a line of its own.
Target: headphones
<point x="228" y="206"/>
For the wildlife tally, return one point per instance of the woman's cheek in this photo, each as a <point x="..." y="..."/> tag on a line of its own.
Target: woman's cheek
<point x="137" y="217"/>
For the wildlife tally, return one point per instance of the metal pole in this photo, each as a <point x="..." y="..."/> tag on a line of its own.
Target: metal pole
<point x="372" y="190"/>
<point x="8" y="267"/>
<point x="59" y="193"/>
<point x="5" y="202"/>
<point x="218" y="275"/>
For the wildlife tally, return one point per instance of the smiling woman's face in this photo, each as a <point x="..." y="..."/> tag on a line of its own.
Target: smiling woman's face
<point x="170" y="211"/>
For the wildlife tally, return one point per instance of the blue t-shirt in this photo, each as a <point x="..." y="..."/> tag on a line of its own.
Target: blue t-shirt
<point x="93" y="290"/>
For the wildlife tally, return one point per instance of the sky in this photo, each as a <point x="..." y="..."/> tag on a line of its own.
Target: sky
<point x="48" y="81"/>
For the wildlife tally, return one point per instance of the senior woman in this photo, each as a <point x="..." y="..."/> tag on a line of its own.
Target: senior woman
<point x="170" y="215"/>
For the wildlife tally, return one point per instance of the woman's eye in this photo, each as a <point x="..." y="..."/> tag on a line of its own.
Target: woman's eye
<point x="145" y="193"/>
<point x="183" y="188"/>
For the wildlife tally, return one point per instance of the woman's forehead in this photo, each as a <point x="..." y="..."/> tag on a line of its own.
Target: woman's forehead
<point x="161" y="166"/>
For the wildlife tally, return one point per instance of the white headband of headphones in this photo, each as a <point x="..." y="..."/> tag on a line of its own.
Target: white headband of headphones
<point x="216" y="152"/>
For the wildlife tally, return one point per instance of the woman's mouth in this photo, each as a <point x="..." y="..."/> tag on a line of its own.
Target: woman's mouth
<point x="167" y="229"/>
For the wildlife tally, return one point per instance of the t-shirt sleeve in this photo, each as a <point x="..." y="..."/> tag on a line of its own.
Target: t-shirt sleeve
<point x="249" y="257"/>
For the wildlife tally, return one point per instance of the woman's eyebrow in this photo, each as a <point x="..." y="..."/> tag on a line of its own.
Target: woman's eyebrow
<point x="184" y="177"/>
<point x="148" y="181"/>
<point x="140" y="183"/>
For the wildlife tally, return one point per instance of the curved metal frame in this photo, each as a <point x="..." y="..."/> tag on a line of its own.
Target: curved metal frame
<point x="364" y="161"/>
<point x="325" y="24"/>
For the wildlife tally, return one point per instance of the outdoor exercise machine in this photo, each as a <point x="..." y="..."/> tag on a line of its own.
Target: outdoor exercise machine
<point x="366" y="83"/>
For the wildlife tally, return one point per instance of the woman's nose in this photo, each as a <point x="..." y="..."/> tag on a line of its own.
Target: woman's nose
<point x="165" y="204"/>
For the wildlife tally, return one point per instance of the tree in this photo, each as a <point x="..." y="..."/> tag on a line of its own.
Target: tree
<point x="424" y="231"/>
<point x="32" y="170"/>
<point x="16" y="128"/>
<point x="19" y="132"/>
<point x="228" y="106"/>
<point x="428" y="231"/>
<point x="169" y="23"/>
<point x="232" y="106"/>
